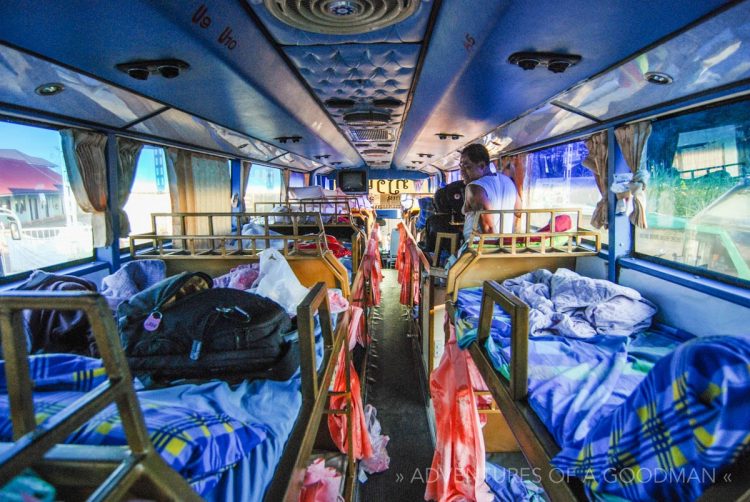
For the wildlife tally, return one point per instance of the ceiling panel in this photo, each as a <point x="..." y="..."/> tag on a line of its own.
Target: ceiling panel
<point x="83" y="98"/>
<point x="470" y="88"/>
<point x="712" y="54"/>
<point x="223" y="46"/>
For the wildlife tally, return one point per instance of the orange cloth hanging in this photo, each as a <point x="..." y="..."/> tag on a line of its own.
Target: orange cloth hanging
<point x="458" y="465"/>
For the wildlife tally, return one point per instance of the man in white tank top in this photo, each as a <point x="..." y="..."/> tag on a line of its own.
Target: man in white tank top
<point x="485" y="190"/>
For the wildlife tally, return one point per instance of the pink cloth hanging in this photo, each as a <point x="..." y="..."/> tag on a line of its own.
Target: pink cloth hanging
<point x="337" y="423"/>
<point x="321" y="484"/>
<point x="458" y="465"/>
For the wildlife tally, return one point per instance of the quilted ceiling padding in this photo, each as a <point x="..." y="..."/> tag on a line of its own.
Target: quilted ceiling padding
<point x="362" y="73"/>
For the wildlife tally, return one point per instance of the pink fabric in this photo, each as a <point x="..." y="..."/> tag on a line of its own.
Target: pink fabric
<point x="321" y="484"/>
<point x="240" y="277"/>
<point x="337" y="423"/>
<point x="458" y="466"/>
<point x="357" y="333"/>
<point x="336" y="301"/>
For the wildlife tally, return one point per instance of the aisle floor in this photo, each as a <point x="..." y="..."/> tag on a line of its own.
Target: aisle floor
<point x="394" y="389"/>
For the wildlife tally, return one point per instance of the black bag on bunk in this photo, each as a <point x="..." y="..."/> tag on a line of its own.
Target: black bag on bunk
<point x="450" y="199"/>
<point x="182" y="328"/>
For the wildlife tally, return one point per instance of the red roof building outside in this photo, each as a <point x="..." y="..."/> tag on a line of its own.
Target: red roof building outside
<point x="21" y="173"/>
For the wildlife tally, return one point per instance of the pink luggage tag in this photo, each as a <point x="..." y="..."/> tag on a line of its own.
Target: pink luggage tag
<point x="152" y="322"/>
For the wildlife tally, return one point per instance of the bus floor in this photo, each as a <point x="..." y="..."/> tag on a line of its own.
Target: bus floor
<point x="393" y="388"/>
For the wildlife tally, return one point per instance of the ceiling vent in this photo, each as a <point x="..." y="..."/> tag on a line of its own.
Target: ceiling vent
<point x="340" y="103"/>
<point x="367" y="118"/>
<point x="341" y="17"/>
<point x="372" y="135"/>
<point x="387" y="103"/>
<point x="375" y="151"/>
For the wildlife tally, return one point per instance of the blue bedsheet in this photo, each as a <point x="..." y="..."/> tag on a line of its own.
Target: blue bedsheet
<point x="573" y="382"/>
<point x="203" y="431"/>
<point x="584" y="389"/>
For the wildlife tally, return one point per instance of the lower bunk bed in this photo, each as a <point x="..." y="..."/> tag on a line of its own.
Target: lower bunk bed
<point x="250" y="441"/>
<point x="602" y="403"/>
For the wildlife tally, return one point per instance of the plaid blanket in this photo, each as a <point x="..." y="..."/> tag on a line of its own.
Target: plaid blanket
<point x="187" y="424"/>
<point x="673" y="434"/>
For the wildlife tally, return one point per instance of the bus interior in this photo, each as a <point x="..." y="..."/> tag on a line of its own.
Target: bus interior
<point x="245" y="254"/>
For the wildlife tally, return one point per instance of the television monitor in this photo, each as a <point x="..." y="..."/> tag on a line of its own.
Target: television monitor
<point x="352" y="181"/>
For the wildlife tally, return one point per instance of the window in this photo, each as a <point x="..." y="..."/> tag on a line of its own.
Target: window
<point x="452" y="176"/>
<point x="150" y="194"/>
<point x="698" y="197"/>
<point x="41" y="224"/>
<point x="555" y="178"/>
<point x="265" y="184"/>
<point x="296" y="179"/>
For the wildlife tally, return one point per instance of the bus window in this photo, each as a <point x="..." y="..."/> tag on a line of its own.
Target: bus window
<point x="555" y="177"/>
<point x="265" y="184"/>
<point x="698" y="195"/>
<point x="296" y="179"/>
<point x="150" y="194"/>
<point x="41" y="224"/>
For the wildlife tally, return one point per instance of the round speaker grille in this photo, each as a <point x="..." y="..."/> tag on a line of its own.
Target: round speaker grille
<point x="341" y="17"/>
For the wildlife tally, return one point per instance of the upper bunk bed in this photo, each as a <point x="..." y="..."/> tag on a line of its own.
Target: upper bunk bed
<point x="206" y="241"/>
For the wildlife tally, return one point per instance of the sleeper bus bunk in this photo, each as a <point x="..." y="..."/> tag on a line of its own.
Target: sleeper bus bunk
<point x="199" y="244"/>
<point x="493" y="324"/>
<point x="138" y="468"/>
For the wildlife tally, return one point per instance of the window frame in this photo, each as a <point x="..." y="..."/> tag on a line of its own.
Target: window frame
<point x="696" y="272"/>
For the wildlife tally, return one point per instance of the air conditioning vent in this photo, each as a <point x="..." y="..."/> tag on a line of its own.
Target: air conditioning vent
<point x="341" y="17"/>
<point x="340" y="103"/>
<point x="367" y="118"/>
<point x="387" y="103"/>
<point x="387" y="145"/>
<point x="371" y="135"/>
<point x="375" y="151"/>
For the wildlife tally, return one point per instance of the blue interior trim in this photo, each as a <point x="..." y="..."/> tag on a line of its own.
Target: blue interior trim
<point x="728" y="292"/>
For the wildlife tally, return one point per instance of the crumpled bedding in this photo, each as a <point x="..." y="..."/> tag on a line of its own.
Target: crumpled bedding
<point x="569" y="304"/>
<point x="131" y="279"/>
<point x="240" y="277"/>
<point x="260" y="244"/>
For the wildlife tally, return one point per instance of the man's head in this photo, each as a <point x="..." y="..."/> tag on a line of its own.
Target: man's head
<point x="475" y="162"/>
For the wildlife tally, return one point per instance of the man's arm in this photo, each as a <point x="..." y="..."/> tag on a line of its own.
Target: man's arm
<point x="476" y="200"/>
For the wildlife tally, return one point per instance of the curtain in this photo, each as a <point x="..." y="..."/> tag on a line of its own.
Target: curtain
<point x="127" y="159"/>
<point x="632" y="139"/>
<point x="597" y="163"/>
<point x="85" y="157"/>
<point x="199" y="184"/>
<point x="286" y="174"/>
<point x="244" y="177"/>
<point x="307" y="179"/>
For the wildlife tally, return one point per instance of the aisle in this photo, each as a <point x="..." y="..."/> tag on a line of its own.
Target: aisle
<point x="395" y="391"/>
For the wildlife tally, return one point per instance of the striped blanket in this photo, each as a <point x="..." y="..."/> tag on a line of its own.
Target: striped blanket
<point x="196" y="436"/>
<point x="674" y="433"/>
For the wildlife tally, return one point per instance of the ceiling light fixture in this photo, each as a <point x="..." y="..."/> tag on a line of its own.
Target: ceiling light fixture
<point x="446" y="135"/>
<point x="50" y="89"/>
<point x="658" y="78"/>
<point x="556" y="63"/>
<point x="141" y="70"/>
<point x="284" y="139"/>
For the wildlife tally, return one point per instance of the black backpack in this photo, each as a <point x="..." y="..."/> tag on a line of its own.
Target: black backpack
<point x="182" y="328"/>
<point x="450" y="199"/>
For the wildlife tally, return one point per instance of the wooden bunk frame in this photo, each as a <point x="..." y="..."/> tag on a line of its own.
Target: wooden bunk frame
<point x="329" y="208"/>
<point x="139" y="470"/>
<point x="216" y="253"/>
<point x="535" y="441"/>
<point x="496" y="257"/>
